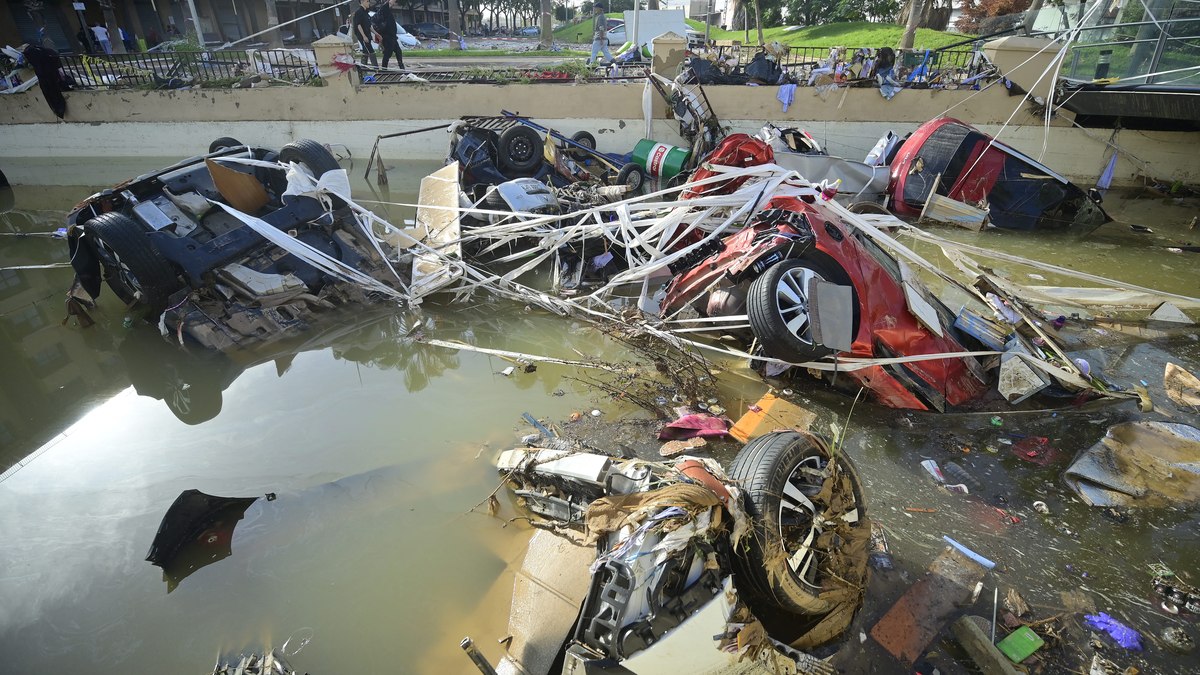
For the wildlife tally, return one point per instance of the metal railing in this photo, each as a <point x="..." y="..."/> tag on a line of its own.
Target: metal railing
<point x="624" y="72"/>
<point x="168" y="70"/>
<point x="943" y="64"/>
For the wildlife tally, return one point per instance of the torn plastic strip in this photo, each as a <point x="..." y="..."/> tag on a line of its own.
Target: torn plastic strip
<point x="312" y="256"/>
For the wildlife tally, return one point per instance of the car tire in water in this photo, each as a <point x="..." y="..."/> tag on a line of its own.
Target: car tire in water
<point x="778" y="309"/>
<point x="312" y="156"/>
<point x="771" y="470"/>
<point x="224" y="142"/>
<point x="132" y="264"/>
<point x="632" y="176"/>
<point x="520" y="149"/>
<point x="583" y="138"/>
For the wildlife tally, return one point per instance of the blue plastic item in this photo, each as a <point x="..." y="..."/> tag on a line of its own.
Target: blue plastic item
<point x="969" y="553"/>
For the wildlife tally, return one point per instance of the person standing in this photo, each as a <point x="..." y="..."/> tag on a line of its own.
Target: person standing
<point x="385" y="25"/>
<point x="101" y="34"/>
<point x="599" y="35"/>
<point x="85" y="39"/>
<point x="360" y="28"/>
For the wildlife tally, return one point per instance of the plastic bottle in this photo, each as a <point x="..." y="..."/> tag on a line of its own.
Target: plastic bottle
<point x="957" y="474"/>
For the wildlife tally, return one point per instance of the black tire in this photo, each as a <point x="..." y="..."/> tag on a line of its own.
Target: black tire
<point x="495" y="201"/>
<point x="583" y="138"/>
<point x="764" y="572"/>
<point x="777" y="307"/>
<point x="632" y="176"/>
<point x="311" y="154"/>
<point x="133" y="266"/>
<point x="868" y="207"/>
<point x="520" y="149"/>
<point x="224" y="142"/>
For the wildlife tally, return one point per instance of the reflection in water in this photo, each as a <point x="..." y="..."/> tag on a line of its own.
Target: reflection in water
<point x="197" y="531"/>
<point x="190" y="380"/>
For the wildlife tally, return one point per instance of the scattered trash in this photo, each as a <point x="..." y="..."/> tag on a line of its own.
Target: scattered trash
<point x="768" y="414"/>
<point x="596" y="413"/>
<point x="1014" y="603"/>
<point x="691" y="426"/>
<point x="1020" y="644"/>
<point x="1139" y="464"/>
<point x="1176" y="594"/>
<point x="910" y="625"/>
<point x="958" y="474"/>
<point x="1102" y="666"/>
<point x="508" y="371"/>
<point x="971" y="634"/>
<point x="996" y="421"/>
<point x="1123" y="635"/>
<point x="1183" y="388"/>
<point x="1041" y="508"/>
<point x="1035" y="450"/>
<point x="1178" y="640"/>
<point x="678" y="447"/>
<point x="880" y="556"/>
<point x="917" y="509"/>
<point x="934" y="470"/>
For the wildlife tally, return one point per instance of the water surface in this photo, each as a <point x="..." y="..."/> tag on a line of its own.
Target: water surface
<point x="378" y="450"/>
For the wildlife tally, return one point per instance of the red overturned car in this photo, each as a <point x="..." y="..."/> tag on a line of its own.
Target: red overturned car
<point x="812" y="284"/>
<point x="966" y="165"/>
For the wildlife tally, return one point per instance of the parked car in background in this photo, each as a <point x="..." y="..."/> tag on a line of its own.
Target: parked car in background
<point x="529" y="31"/>
<point x="406" y="39"/>
<point x="695" y="39"/>
<point x="430" y="30"/>
<point x="616" y="35"/>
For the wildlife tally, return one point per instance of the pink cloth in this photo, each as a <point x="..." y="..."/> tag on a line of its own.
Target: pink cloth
<point x="691" y="426"/>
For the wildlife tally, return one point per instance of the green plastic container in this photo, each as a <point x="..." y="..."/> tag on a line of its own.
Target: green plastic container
<point x="1020" y="644"/>
<point x="659" y="159"/>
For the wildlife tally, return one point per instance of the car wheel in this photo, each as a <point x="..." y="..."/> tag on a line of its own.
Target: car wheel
<point x="868" y="207"/>
<point x="223" y="143"/>
<point x="520" y="149"/>
<point x="782" y="475"/>
<point x="778" y="308"/>
<point x="632" y="176"/>
<point x="583" y="138"/>
<point x="313" y="156"/>
<point x="133" y="266"/>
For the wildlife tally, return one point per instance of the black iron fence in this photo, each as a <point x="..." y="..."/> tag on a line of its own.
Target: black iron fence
<point x="164" y="70"/>
<point x="933" y="63"/>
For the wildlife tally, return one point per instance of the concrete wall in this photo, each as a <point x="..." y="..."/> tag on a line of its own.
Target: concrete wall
<point x="846" y="121"/>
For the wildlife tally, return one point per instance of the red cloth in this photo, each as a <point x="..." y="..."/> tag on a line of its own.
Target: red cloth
<point x="691" y="426"/>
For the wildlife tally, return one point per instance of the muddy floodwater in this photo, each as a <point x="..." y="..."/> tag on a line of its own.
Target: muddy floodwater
<point x="374" y="554"/>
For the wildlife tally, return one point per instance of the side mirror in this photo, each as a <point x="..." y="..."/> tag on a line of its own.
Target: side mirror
<point x="1095" y="195"/>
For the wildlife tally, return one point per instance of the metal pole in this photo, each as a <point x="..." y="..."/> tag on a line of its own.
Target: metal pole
<point x="636" y="47"/>
<point x="708" y="21"/>
<point x="196" y="23"/>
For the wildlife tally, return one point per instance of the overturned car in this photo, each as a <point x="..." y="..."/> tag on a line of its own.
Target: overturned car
<point x="691" y="570"/>
<point x="243" y="245"/>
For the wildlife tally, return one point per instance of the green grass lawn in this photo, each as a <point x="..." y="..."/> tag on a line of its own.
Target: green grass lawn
<point x="581" y="32"/>
<point x="853" y="35"/>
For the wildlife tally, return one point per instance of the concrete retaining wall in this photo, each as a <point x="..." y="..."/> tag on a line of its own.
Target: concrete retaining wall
<point x="846" y="121"/>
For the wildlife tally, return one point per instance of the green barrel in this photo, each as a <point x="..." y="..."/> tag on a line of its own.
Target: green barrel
<point x="659" y="159"/>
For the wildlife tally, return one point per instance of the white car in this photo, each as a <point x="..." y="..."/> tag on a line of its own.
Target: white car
<point x="406" y="39"/>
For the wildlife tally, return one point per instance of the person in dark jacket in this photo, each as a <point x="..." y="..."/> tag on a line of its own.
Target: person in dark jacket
<point x="360" y="28"/>
<point x="48" y="66"/>
<point x="84" y="37"/>
<point x="385" y="25"/>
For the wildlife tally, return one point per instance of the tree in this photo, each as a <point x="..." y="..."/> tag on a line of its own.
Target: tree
<point x="454" y="10"/>
<point x="988" y="16"/>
